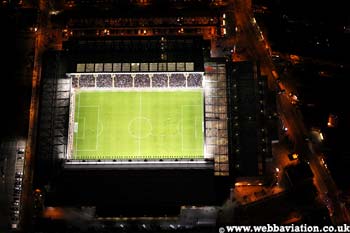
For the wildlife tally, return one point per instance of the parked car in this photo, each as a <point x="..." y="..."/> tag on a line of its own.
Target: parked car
<point x="20" y="151"/>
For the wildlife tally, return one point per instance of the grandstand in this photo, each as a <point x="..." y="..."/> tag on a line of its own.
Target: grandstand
<point x="137" y="80"/>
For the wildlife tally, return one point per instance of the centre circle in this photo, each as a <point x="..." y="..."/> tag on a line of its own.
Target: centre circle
<point x="140" y="127"/>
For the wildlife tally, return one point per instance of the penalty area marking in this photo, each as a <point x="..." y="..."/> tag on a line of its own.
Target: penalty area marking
<point x="182" y="127"/>
<point x="96" y="131"/>
<point x="169" y="123"/>
<point x="79" y="130"/>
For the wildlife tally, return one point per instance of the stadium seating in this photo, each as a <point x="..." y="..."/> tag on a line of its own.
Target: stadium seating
<point x="123" y="80"/>
<point x="104" y="80"/>
<point x="142" y="80"/>
<point x="86" y="80"/>
<point x="75" y="81"/>
<point x="194" y="80"/>
<point x="157" y="80"/>
<point x="177" y="80"/>
<point x="160" y="80"/>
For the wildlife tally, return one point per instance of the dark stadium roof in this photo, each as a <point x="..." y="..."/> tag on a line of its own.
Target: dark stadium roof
<point x="136" y="49"/>
<point x="134" y="193"/>
<point x="245" y="77"/>
<point x="161" y="8"/>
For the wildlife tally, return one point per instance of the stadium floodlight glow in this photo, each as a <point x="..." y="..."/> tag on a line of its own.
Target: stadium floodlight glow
<point x="203" y="81"/>
<point x="94" y="124"/>
<point x="202" y="85"/>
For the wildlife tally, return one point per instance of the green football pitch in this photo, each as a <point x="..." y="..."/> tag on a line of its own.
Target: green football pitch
<point x="138" y="125"/>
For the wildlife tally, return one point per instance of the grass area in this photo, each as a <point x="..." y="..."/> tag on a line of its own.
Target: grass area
<point x="138" y="124"/>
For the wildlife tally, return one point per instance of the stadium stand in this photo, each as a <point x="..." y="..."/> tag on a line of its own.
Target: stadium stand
<point x="142" y="80"/>
<point x="104" y="80"/>
<point x="160" y="80"/>
<point x="123" y="80"/>
<point x="122" y="22"/>
<point x="194" y="80"/>
<point x="75" y="81"/>
<point x="177" y="80"/>
<point x="86" y="80"/>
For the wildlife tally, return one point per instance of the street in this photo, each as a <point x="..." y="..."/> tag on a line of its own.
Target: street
<point x="257" y="49"/>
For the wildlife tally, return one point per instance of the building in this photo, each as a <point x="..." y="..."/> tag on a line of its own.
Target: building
<point x="140" y="51"/>
<point x="250" y="145"/>
<point x="132" y="186"/>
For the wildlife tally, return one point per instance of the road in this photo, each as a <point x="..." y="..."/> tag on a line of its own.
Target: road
<point x="16" y="91"/>
<point x="41" y="36"/>
<point x="255" y="47"/>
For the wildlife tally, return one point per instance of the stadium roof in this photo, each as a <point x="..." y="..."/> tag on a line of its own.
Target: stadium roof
<point x="243" y="82"/>
<point x="135" y="192"/>
<point x="162" y="8"/>
<point x="136" y="49"/>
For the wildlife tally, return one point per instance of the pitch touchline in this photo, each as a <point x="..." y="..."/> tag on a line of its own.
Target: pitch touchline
<point x="182" y="129"/>
<point x="83" y="137"/>
<point x="182" y="126"/>
<point x="76" y="139"/>
<point x="195" y="127"/>
<point x="97" y="122"/>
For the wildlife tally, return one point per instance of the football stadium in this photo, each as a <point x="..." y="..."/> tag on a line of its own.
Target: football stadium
<point x="141" y="117"/>
<point x="123" y="121"/>
<point x="134" y="101"/>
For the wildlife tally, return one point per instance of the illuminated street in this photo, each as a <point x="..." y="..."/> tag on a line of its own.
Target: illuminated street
<point x="256" y="45"/>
